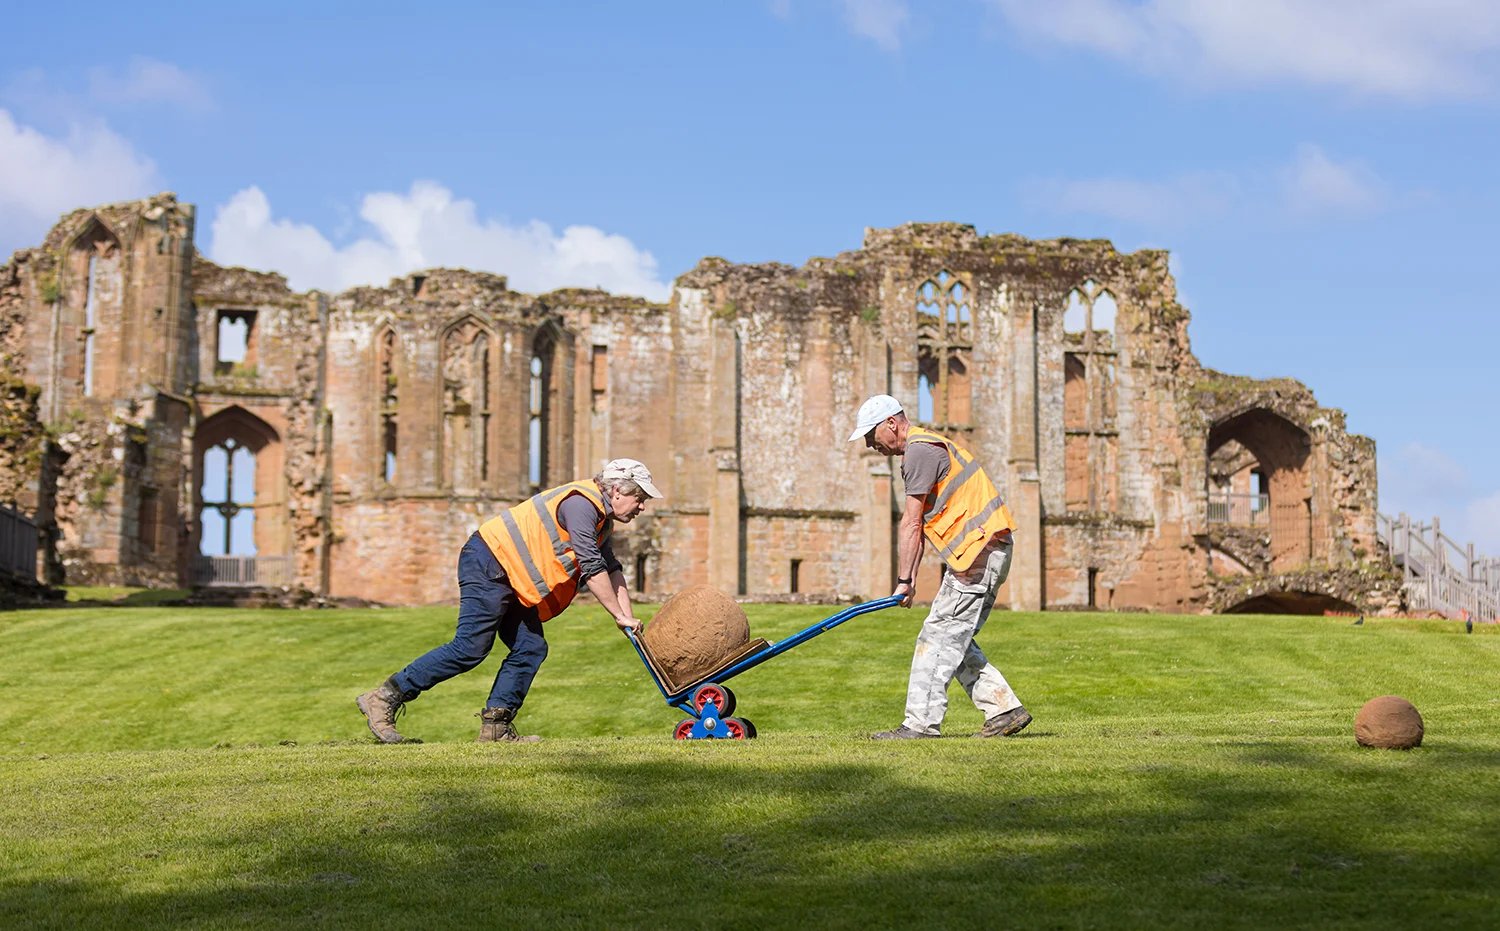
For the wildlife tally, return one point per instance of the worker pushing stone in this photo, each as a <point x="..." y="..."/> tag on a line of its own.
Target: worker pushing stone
<point x="517" y="571"/>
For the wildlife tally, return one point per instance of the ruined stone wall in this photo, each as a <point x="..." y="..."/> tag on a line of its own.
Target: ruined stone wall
<point x="21" y="445"/>
<point x="274" y="395"/>
<point x="403" y="550"/>
<point x="819" y="544"/>
<point x="1107" y="437"/>
<point x="95" y="318"/>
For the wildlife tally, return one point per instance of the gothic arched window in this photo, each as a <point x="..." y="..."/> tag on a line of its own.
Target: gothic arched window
<point x="228" y="500"/>
<point x="945" y="345"/>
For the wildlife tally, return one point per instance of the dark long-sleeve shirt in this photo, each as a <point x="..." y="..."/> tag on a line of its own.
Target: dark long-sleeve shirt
<point x="578" y="517"/>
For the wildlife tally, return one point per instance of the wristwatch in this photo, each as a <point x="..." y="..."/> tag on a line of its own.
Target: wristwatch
<point x="903" y="581"/>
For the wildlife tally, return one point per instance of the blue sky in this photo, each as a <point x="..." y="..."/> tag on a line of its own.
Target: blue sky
<point x="1321" y="170"/>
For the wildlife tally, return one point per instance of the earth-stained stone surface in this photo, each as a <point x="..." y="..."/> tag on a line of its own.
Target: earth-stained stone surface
<point x="1389" y="722"/>
<point x="694" y="631"/>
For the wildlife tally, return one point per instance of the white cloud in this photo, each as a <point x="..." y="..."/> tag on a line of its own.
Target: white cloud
<point x="880" y="21"/>
<point x="43" y="177"/>
<point x="146" y="80"/>
<point x="1315" y="182"/>
<point x="1482" y="518"/>
<point x="1310" y="183"/>
<point x="1420" y="474"/>
<point x="1424" y="482"/>
<point x="1381" y="47"/>
<point x="1170" y="203"/>
<point x="424" y="228"/>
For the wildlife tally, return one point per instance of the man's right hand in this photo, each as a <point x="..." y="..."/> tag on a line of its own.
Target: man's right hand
<point x="905" y="591"/>
<point x="628" y="624"/>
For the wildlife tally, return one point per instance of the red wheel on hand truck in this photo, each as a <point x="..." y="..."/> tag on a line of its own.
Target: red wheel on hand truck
<point x="683" y="730"/>
<point x="739" y="728"/>
<point x="720" y="695"/>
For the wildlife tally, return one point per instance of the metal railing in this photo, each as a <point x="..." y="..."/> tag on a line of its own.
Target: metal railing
<point x="243" y="571"/>
<point x="1241" y="510"/>
<point x="1439" y="573"/>
<point x="17" y="544"/>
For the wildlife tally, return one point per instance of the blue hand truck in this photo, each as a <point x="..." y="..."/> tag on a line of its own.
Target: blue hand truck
<point x="708" y="703"/>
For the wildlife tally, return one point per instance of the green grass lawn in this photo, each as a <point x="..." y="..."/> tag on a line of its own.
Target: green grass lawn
<point x="201" y="768"/>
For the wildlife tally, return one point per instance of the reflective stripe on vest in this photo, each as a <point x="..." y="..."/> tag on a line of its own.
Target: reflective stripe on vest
<point x="533" y="549"/>
<point x="968" y="491"/>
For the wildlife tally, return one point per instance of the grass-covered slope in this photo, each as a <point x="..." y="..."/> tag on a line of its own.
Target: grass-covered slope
<point x="194" y="768"/>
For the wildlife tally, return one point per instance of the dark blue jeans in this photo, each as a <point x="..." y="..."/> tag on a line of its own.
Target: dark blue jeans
<point x="487" y="608"/>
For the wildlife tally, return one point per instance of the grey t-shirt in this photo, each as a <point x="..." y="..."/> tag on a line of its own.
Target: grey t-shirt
<point x="923" y="466"/>
<point x="578" y="517"/>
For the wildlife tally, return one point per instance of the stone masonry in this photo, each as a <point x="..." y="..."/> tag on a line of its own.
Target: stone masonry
<point x="367" y="433"/>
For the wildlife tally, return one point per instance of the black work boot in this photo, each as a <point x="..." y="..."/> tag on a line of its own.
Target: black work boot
<point x="496" y="725"/>
<point x="380" y="707"/>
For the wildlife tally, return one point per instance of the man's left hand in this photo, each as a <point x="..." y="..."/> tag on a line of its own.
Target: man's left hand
<point x="628" y="624"/>
<point x="905" y="591"/>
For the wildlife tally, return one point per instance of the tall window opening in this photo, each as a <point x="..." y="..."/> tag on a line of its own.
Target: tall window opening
<point x="466" y="405"/>
<point x="90" y="302"/>
<point x="1093" y="587"/>
<point x="601" y="379"/>
<point x="796" y="576"/>
<point x="235" y="349"/>
<point x="640" y="572"/>
<point x="539" y="417"/>
<point x="89" y="319"/>
<point x="1091" y="440"/>
<point x="228" y="496"/>
<point x="147" y="519"/>
<point x="944" y="351"/>
<point x="389" y="404"/>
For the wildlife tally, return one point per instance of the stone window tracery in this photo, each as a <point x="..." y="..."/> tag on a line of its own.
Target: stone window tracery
<point x="227" y="515"/>
<point x="945" y="347"/>
<point x="1090" y="452"/>
<point x="466" y="405"/>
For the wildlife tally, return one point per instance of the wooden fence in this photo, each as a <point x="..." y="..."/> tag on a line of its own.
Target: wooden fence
<point x="242" y="571"/>
<point x="1439" y="573"/>
<point x="1239" y="510"/>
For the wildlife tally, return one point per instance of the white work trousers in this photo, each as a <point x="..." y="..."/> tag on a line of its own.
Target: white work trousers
<point x="946" y="647"/>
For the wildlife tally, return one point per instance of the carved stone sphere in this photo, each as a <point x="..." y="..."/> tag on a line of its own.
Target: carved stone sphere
<point x="1389" y="722"/>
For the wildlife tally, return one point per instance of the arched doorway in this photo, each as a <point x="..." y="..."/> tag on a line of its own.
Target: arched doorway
<point x="239" y="525"/>
<point x="1258" y="487"/>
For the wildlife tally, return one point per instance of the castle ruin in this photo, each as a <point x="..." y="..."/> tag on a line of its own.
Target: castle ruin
<point x="170" y="422"/>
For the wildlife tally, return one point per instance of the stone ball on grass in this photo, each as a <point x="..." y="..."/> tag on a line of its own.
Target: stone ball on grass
<point x="1389" y="722"/>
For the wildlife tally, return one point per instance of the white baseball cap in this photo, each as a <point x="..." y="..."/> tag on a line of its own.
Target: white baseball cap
<point x="634" y="470"/>
<point x="873" y="412"/>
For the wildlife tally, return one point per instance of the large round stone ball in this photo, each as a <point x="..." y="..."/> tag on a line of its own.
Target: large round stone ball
<point x="695" y="630"/>
<point x="1389" y="722"/>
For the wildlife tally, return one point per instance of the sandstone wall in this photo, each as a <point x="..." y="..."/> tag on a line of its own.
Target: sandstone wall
<point x="388" y="422"/>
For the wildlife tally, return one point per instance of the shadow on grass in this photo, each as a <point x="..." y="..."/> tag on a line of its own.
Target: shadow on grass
<point x="1298" y="837"/>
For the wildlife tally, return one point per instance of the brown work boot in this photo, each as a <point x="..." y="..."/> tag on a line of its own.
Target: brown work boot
<point x="496" y="725"/>
<point x="380" y="707"/>
<point x="1006" y="723"/>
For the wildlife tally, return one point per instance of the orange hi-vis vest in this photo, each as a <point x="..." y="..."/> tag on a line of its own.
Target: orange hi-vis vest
<point x="963" y="510"/>
<point x="533" y="548"/>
